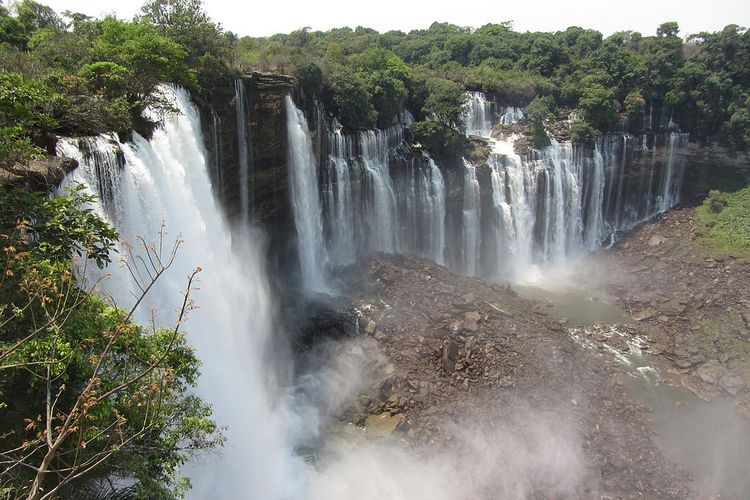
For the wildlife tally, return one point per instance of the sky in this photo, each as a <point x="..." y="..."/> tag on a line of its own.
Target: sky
<point x="266" y="17"/>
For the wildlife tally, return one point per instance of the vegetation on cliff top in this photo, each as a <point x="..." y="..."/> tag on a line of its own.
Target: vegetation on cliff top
<point x="701" y="82"/>
<point x="101" y="73"/>
<point x="72" y="74"/>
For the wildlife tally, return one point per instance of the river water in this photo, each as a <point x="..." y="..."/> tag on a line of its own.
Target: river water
<point x="710" y="440"/>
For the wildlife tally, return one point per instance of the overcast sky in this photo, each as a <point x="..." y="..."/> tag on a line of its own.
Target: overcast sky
<point x="266" y="17"/>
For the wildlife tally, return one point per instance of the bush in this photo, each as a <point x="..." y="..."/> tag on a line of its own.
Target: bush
<point x="92" y="394"/>
<point x="310" y="76"/>
<point x="352" y="99"/>
<point x="442" y="141"/>
<point x="727" y="219"/>
<point x="716" y="201"/>
<point x="583" y="133"/>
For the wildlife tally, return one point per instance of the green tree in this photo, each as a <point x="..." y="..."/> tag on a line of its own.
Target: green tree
<point x="25" y="111"/>
<point x="85" y="393"/>
<point x="187" y="23"/>
<point x="445" y="102"/>
<point x="352" y="99"/>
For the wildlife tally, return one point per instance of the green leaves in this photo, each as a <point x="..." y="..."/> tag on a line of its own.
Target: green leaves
<point x="77" y="373"/>
<point x="445" y="101"/>
<point x="59" y="227"/>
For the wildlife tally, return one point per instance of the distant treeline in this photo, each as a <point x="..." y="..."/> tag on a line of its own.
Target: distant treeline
<point x="77" y="74"/>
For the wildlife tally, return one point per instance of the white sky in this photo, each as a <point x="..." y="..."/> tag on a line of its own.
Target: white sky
<point x="266" y="17"/>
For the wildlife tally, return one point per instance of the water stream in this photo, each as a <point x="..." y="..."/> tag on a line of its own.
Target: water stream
<point x="708" y="439"/>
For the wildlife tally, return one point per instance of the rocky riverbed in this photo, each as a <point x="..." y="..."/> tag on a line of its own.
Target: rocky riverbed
<point x="446" y="355"/>
<point x="692" y="304"/>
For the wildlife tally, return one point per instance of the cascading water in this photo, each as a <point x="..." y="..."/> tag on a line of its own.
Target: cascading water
<point x="166" y="180"/>
<point x="472" y="213"/>
<point x="369" y="208"/>
<point x="478" y="115"/>
<point x="243" y="150"/>
<point x="566" y="198"/>
<point x="305" y="199"/>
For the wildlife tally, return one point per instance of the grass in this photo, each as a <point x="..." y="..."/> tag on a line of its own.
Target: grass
<point x="727" y="220"/>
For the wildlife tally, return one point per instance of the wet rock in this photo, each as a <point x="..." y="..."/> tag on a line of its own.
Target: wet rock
<point x="711" y="372"/>
<point x="450" y="354"/>
<point x="383" y="425"/>
<point x="703" y="390"/>
<point x="644" y="314"/>
<point x="733" y="384"/>
<point x="617" y="342"/>
<point x="40" y="174"/>
<point x="370" y="327"/>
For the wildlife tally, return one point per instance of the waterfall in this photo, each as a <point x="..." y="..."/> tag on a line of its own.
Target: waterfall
<point x="563" y="199"/>
<point x="243" y="150"/>
<point x="216" y="176"/>
<point x="304" y="188"/>
<point x="511" y="115"/>
<point x="370" y="207"/>
<point x="471" y="221"/>
<point x="478" y="115"/>
<point x="670" y="188"/>
<point x="166" y="179"/>
<point x="342" y="193"/>
<point x="432" y="190"/>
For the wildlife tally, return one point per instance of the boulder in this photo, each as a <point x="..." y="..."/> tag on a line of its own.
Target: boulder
<point x="656" y="240"/>
<point x="383" y="425"/>
<point x="39" y="174"/>
<point x="644" y="314"/>
<point x="471" y="321"/>
<point x="733" y="384"/>
<point x="450" y="354"/>
<point x="711" y="372"/>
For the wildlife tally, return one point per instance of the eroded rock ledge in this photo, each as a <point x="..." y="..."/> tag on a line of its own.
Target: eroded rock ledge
<point x="41" y="174"/>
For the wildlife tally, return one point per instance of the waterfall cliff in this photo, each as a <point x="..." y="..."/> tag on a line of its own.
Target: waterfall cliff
<point x="144" y="184"/>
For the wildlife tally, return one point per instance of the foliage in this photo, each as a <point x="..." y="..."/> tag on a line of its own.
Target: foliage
<point x="716" y="201"/>
<point x="440" y="140"/>
<point x="541" y="109"/>
<point x="85" y="393"/>
<point x="445" y="102"/>
<point x="25" y="109"/>
<point x="727" y="220"/>
<point x="583" y="133"/>
<point x="186" y="22"/>
<point x="352" y="99"/>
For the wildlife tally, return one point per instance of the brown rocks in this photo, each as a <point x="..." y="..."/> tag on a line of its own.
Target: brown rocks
<point x="471" y="321"/>
<point x="449" y="356"/>
<point x="644" y="314"/>
<point x="41" y="174"/>
<point x="461" y="358"/>
<point x="383" y="425"/>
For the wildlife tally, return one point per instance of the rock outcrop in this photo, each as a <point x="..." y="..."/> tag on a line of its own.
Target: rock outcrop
<point x="265" y="130"/>
<point x="40" y="174"/>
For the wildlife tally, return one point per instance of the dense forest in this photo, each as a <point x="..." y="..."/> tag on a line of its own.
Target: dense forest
<point x="73" y="74"/>
<point x="85" y="394"/>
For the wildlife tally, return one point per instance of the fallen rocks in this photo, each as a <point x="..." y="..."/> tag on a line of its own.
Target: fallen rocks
<point x="475" y="354"/>
<point x="695" y="304"/>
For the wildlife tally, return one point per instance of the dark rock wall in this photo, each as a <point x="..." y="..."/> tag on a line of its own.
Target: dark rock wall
<point x="266" y="139"/>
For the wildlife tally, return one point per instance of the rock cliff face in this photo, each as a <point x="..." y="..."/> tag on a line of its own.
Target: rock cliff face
<point x="377" y="194"/>
<point x="42" y="174"/>
<point x="244" y="128"/>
